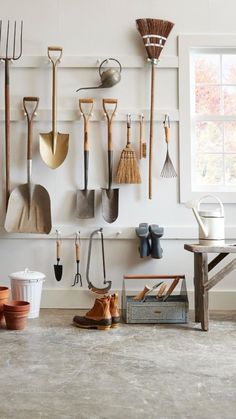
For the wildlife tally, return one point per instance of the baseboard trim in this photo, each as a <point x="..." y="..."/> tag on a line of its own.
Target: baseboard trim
<point x="77" y="298"/>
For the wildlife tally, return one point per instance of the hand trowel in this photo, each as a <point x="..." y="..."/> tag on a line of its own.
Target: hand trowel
<point x="58" y="268"/>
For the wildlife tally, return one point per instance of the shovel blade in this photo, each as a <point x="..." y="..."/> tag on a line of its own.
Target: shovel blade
<point x="23" y="217"/>
<point x="85" y="203"/>
<point x="51" y="155"/>
<point x="110" y="204"/>
<point x="58" y="272"/>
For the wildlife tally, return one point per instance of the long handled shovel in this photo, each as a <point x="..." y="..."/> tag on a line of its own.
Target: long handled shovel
<point x="29" y="208"/>
<point x="85" y="197"/>
<point x="53" y="146"/>
<point x="110" y="196"/>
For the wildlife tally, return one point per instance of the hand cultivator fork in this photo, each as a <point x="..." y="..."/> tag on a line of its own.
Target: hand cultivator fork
<point x="7" y="54"/>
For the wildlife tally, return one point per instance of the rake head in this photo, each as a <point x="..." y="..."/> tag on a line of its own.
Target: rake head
<point x="13" y="36"/>
<point x="168" y="170"/>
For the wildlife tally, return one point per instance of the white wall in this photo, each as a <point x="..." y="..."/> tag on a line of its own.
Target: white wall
<point x="96" y="30"/>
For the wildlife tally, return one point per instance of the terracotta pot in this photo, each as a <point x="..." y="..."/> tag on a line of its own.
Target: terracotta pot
<point x="16" y="306"/>
<point x="16" y="313"/>
<point x="4" y="293"/>
<point x="15" y="321"/>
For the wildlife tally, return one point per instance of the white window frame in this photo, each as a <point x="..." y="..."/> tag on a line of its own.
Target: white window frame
<point x="187" y="43"/>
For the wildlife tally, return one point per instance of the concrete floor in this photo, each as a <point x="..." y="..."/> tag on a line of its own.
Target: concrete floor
<point x="55" y="370"/>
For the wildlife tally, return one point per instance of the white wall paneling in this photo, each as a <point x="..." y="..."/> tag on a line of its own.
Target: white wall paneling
<point x="87" y="38"/>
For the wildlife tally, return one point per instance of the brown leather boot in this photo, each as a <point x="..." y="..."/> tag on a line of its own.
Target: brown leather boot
<point x="114" y="310"/>
<point x="99" y="317"/>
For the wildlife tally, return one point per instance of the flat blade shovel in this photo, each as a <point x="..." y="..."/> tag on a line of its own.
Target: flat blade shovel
<point x="53" y="146"/>
<point x="85" y="197"/>
<point x="110" y="196"/>
<point x="29" y="207"/>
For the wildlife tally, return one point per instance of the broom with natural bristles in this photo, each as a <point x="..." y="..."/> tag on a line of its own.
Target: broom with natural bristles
<point x="128" y="169"/>
<point x="154" y="33"/>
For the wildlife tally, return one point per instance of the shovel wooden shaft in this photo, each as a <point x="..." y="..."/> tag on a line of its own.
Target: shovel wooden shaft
<point x="7" y="129"/>
<point x="30" y="117"/>
<point x="54" y="62"/>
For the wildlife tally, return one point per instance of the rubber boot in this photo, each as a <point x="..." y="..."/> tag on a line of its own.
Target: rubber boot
<point x="114" y="310"/>
<point x="99" y="317"/>
<point x="156" y="233"/>
<point x="143" y="234"/>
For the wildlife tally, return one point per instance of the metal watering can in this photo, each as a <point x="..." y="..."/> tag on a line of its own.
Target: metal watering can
<point x="211" y="222"/>
<point x="109" y="77"/>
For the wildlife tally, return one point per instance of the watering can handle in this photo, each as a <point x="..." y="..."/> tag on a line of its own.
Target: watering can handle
<point x="106" y="61"/>
<point x="214" y="197"/>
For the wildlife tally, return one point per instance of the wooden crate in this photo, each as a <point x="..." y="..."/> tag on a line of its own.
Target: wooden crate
<point x="153" y="310"/>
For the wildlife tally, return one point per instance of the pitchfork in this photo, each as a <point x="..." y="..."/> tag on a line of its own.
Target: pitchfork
<point x="11" y="54"/>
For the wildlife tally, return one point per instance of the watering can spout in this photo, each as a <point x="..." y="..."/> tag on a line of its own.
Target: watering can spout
<point x="200" y="223"/>
<point x="193" y="206"/>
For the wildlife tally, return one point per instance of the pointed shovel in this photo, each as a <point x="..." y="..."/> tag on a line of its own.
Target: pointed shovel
<point x="53" y="146"/>
<point x="110" y="196"/>
<point x="86" y="197"/>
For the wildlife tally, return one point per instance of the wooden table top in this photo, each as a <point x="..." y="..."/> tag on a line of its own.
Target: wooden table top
<point x="198" y="248"/>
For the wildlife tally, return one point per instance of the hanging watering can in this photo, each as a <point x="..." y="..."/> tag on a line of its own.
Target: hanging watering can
<point x="211" y="222"/>
<point x="109" y="77"/>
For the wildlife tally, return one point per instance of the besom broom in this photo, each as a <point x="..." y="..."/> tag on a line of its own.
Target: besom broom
<point x="128" y="169"/>
<point x="154" y="33"/>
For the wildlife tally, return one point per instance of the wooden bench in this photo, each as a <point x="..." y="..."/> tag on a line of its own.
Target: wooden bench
<point x="202" y="284"/>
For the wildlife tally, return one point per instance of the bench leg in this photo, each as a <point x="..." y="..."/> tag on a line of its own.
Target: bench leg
<point x="204" y="293"/>
<point x="200" y="294"/>
<point x="197" y="283"/>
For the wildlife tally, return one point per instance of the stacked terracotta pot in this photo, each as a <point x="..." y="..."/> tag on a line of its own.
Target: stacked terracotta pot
<point x="4" y="294"/>
<point x="13" y="313"/>
<point x="16" y="313"/>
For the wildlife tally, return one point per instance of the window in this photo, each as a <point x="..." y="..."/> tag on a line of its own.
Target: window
<point x="207" y="93"/>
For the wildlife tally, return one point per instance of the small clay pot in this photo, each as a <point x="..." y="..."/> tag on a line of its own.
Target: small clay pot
<point x="4" y="294"/>
<point x="16" y="313"/>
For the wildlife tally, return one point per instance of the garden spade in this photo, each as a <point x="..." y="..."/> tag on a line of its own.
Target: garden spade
<point x="86" y="197"/>
<point x="110" y="196"/>
<point x="53" y="145"/>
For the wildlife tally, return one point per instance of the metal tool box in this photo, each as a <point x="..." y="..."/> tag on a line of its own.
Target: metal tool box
<point x="153" y="310"/>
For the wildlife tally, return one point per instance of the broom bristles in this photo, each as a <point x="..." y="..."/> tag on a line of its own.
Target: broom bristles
<point x="128" y="169"/>
<point x="157" y="27"/>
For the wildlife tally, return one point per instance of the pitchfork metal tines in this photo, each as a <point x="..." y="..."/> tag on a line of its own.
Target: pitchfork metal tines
<point x="10" y="49"/>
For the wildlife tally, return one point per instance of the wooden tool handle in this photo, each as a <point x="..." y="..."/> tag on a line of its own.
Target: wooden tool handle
<point x="128" y="129"/>
<point x="77" y="251"/>
<point x="171" y="288"/>
<point x="109" y="118"/>
<point x="89" y="100"/>
<point x="141" y="294"/>
<point x="30" y="116"/>
<point x="161" y="290"/>
<point x="167" y="130"/>
<point x="86" y="115"/>
<point x="153" y="276"/>
<point x="7" y="130"/>
<point x="58" y="247"/>
<point x="141" y="137"/>
<point x="52" y="48"/>
<point x="112" y="101"/>
<point x="151" y="131"/>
